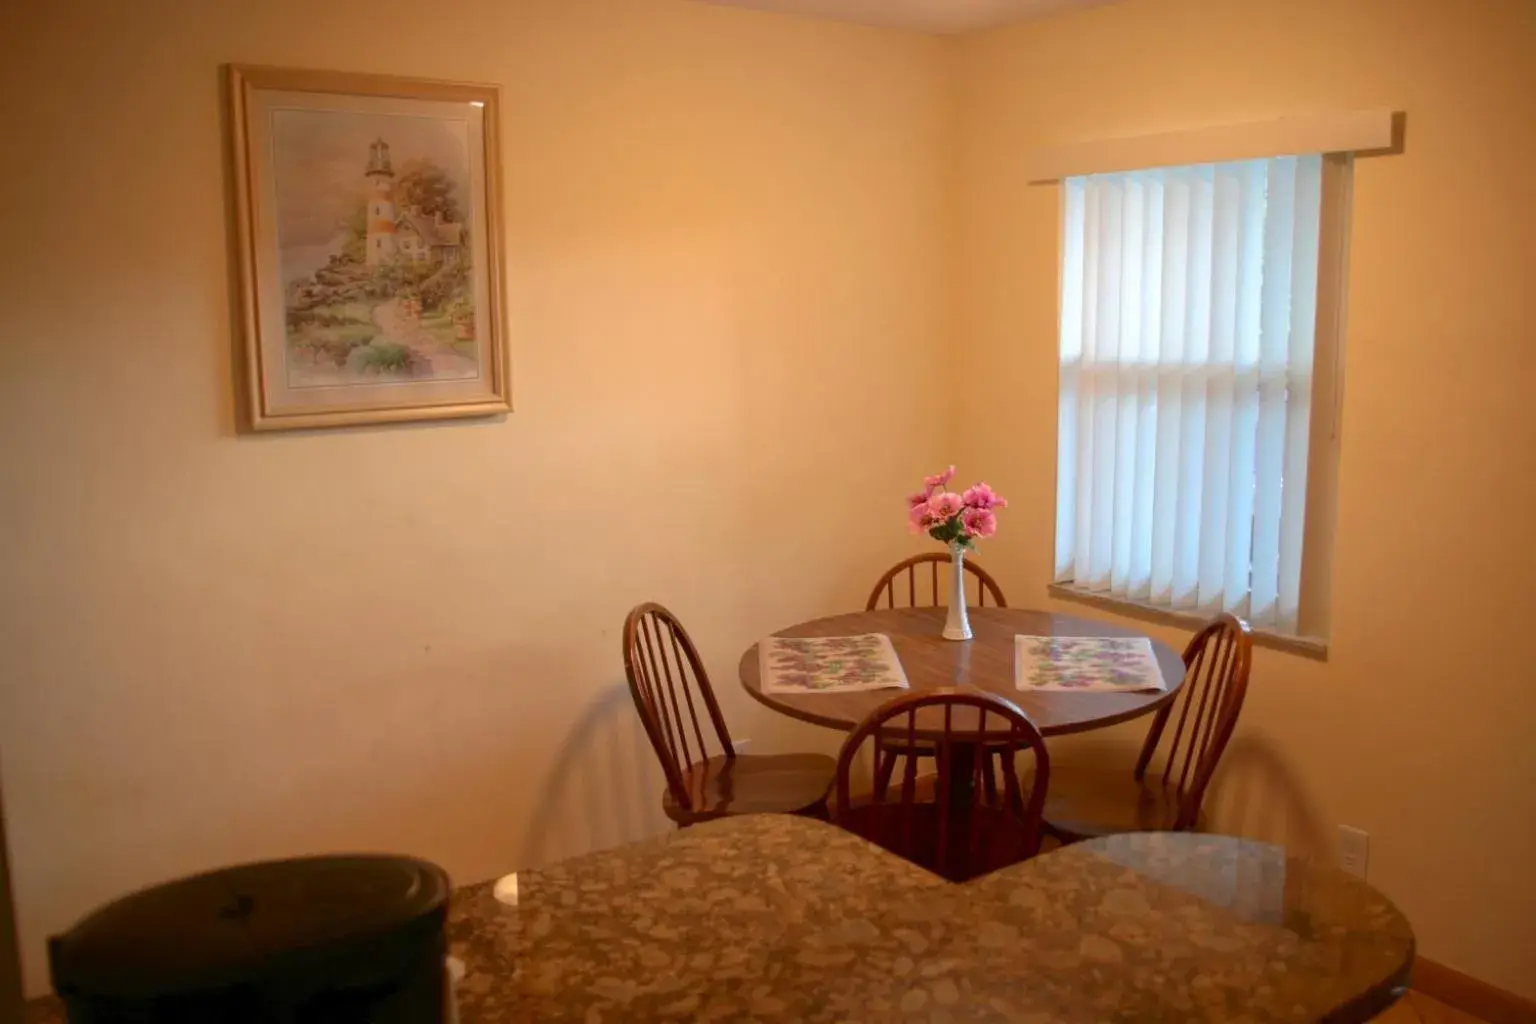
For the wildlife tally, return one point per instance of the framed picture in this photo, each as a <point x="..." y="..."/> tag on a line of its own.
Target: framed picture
<point x="368" y="212"/>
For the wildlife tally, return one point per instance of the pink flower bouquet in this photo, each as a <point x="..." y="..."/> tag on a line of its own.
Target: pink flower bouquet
<point x="952" y="518"/>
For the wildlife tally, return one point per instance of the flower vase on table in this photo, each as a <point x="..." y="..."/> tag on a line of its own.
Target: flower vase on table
<point x="958" y="625"/>
<point x="958" y="520"/>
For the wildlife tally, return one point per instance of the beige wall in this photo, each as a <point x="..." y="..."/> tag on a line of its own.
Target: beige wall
<point x="732" y="284"/>
<point x="723" y="232"/>
<point x="1420" y="727"/>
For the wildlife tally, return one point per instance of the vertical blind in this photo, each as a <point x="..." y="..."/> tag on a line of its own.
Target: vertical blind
<point x="1188" y="315"/>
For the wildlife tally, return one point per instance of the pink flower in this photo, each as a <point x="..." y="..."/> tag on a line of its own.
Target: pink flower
<point x="918" y="498"/>
<point x="917" y="518"/>
<point x="944" y="506"/>
<point x="933" y="482"/>
<point x="984" y="497"/>
<point x="979" y="522"/>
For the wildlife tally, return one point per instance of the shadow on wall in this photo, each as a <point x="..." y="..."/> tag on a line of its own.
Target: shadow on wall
<point x="1257" y="796"/>
<point x="604" y="789"/>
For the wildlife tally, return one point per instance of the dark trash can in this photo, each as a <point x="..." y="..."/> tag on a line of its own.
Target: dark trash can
<point x="321" y="940"/>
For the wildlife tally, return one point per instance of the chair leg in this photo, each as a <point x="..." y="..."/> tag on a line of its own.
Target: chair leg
<point x="818" y="812"/>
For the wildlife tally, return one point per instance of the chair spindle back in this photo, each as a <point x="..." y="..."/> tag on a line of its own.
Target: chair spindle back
<point x="1217" y="662"/>
<point x="993" y="826"/>
<point x="663" y="669"/>
<point x="920" y="582"/>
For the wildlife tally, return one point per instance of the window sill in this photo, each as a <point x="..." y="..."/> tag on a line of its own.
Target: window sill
<point x="1307" y="646"/>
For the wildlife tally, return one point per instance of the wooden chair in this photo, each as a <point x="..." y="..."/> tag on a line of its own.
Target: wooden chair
<point x="1086" y="804"/>
<point x="890" y="589"/>
<point x="958" y="827"/>
<point x="664" y="671"/>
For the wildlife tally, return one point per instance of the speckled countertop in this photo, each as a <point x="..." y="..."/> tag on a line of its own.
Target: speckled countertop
<point x="777" y="918"/>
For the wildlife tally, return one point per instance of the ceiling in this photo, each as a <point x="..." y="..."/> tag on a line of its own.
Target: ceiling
<point x="944" y="16"/>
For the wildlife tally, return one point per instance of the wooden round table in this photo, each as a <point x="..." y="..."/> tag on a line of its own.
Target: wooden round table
<point x="985" y="663"/>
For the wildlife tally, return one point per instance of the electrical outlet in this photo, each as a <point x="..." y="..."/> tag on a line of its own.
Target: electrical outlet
<point x="740" y="746"/>
<point x="1354" y="850"/>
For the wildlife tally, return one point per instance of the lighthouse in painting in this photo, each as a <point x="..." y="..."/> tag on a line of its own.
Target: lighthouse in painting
<point x="381" y="204"/>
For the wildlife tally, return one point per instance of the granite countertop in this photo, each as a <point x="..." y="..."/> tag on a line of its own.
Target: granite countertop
<point x="777" y="918"/>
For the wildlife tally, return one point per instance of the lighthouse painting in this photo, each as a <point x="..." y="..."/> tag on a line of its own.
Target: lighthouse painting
<point x="371" y="220"/>
<point x="372" y="237"/>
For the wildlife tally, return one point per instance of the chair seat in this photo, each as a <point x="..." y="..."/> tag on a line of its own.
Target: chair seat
<point x="1085" y="803"/>
<point x="754" y="784"/>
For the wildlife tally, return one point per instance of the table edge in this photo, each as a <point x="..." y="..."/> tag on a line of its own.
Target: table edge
<point x="751" y="654"/>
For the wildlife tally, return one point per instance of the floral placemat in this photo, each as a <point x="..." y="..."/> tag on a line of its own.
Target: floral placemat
<point x="1086" y="664"/>
<point x="830" y="664"/>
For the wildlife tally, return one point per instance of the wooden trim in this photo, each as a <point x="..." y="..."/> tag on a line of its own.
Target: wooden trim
<point x="249" y="367"/>
<point x="1321" y="514"/>
<point x="256" y="414"/>
<point x="1466" y="993"/>
<point x="1350" y="131"/>
<point x="11" y="1001"/>
<point x="1308" y="646"/>
<point x="350" y="82"/>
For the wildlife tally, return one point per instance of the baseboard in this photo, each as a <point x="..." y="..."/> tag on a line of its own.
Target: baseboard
<point x="1469" y="995"/>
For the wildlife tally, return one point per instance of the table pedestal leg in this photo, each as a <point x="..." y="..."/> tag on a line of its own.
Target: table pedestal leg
<point x="961" y="782"/>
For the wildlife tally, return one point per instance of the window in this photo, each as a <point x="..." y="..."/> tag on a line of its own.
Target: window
<point x="1199" y="323"/>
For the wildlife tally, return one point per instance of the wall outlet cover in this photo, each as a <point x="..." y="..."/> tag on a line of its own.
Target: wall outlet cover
<point x="1354" y="850"/>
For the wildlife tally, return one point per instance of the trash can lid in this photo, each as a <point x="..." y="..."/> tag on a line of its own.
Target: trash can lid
<point x="251" y="924"/>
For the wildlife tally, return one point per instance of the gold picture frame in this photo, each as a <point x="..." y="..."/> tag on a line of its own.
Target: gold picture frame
<point x="368" y="218"/>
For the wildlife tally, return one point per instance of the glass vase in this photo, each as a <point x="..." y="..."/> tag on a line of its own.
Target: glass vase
<point x="958" y="625"/>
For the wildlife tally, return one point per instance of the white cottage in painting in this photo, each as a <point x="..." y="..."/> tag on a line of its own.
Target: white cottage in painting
<point x="423" y="239"/>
